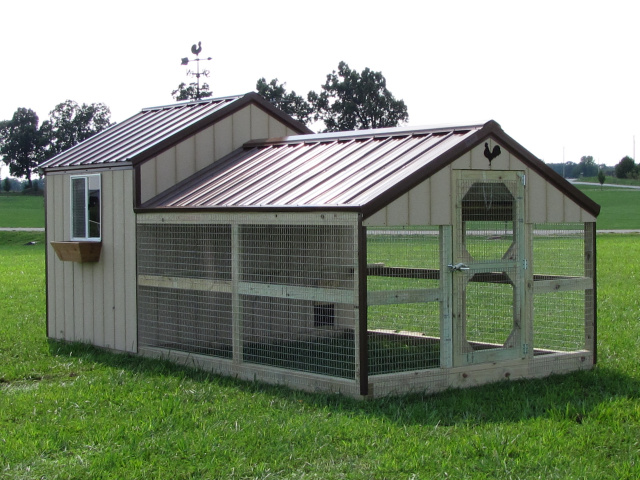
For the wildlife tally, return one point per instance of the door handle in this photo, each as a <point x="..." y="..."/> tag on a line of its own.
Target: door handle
<point x="457" y="267"/>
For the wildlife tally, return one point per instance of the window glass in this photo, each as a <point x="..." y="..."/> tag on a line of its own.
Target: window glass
<point x="85" y="207"/>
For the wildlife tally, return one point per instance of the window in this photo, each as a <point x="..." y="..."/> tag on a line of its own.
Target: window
<point x="85" y="207"/>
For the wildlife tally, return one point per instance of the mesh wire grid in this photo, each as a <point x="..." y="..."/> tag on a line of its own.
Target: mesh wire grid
<point x="403" y="264"/>
<point x="559" y="316"/>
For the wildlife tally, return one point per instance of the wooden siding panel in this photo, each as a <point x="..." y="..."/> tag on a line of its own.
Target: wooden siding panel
<point x="50" y="209"/>
<point x="148" y="180"/>
<point x="555" y="204"/>
<point x="129" y="282"/>
<point x="87" y="303"/>
<point x="378" y="219"/>
<point x="277" y="129"/>
<point x="67" y="267"/>
<point x="98" y="302"/>
<point x="440" y="198"/>
<point x="223" y="138"/>
<point x="259" y="123"/>
<point x="204" y="148"/>
<point x="571" y="210"/>
<point x="166" y="170"/>
<point x="241" y="127"/>
<point x="118" y="260"/>
<point x="107" y="258"/>
<point x="536" y="198"/>
<point x="56" y="214"/>
<point x="398" y="211"/>
<point x="419" y="204"/>
<point x="185" y="163"/>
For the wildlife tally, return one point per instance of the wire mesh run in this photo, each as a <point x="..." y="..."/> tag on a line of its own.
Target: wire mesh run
<point x="296" y="316"/>
<point x="300" y="335"/>
<point x="563" y="295"/>
<point x="186" y="320"/>
<point x="489" y="309"/>
<point x="269" y="293"/>
<point x="403" y="313"/>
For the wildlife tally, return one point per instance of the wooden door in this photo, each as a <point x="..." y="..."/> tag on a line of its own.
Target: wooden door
<point x="487" y="268"/>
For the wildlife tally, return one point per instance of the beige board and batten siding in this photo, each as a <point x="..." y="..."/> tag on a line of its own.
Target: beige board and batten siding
<point x="431" y="202"/>
<point x="206" y="147"/>
<point x="94" y="302"/>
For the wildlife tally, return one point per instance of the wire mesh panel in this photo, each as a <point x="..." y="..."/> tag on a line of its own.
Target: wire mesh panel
<point x="489" y="310"/>
<point x="187" y="320"/>
<point x="403" y="292"/>
<point x="184" y="299"/>
<point x="298" y="335"/>
<point x="563" y="294"/>
<point x="297" y="284"/>
<point x="277" y="290"/>
<point x="487" y="267"/>
<point x="185" y="250"/>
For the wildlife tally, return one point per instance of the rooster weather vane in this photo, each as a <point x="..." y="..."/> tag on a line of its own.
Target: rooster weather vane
<point x="491" y="154"/>
<point x="196" y="49"/>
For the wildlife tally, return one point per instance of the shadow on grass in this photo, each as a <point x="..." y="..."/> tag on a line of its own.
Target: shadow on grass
<point x="572" y="397"/>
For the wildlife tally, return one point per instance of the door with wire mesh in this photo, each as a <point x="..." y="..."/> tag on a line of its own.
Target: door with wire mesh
<point x="488" y="258"/>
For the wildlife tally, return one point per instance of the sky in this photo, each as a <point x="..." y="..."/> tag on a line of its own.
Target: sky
<point x="560" y="76"/>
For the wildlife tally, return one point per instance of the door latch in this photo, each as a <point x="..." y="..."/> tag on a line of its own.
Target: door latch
<point x="457" y="267"/>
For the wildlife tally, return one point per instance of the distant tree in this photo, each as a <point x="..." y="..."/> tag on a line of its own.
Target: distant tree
<point x="350" y="100"/>
<point x="626" y="168"/>
<point x="290" y="103"/>
<point x="70" y="124"/>
<point x="588" y="167"/>
<point x="601" y="177"/>
<point x="191" y="92"/>
<point x="22" y="143"/>
<point x="6" y="184"/>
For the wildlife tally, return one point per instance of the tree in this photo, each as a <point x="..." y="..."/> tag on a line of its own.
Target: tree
<point x="22" y="143"/>
<point x="601" y="177"/>
<point x="588" y="167"/>
<point x="70" y="124"/>
<point x="191" y="92"/>
<point x="290" y="103"/>
<point x="626" y="168"/>
<point x="6" y="184"/>
<point x="350" y="100"/>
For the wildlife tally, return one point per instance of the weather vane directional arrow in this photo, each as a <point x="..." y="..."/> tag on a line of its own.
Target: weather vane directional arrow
<point x="196" y="49"/>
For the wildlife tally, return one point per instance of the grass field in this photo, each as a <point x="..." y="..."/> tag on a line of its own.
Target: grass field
<point x="72" y="411"/>
<point x="620" y="207"/>
<point x="17" y="210"/>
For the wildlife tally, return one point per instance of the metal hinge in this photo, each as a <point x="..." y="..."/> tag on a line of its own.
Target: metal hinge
<point x="525" y="264"/>
<point x="525" y="348"/>
<point x="524" y="180"/>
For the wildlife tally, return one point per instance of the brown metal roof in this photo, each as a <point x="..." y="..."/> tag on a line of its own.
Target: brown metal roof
<point x="154" y="129"/>
<point x="361" y="170"/>
<point x="325" y="170"/>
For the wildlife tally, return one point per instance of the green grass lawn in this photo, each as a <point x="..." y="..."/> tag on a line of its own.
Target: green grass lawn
<point x="17" y="210"/>
<point x="72" y="411"/>
<point x="620" y="207"/>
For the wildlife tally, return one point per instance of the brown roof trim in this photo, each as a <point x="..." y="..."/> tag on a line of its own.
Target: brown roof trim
<point x="254" y="209"/>
<point x="230" y="109"/>
<point x="491" y="129"/>
<point x="358" y="134"/>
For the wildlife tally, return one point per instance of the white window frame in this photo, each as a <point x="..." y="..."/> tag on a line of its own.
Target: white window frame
<point x="87" y="179"/>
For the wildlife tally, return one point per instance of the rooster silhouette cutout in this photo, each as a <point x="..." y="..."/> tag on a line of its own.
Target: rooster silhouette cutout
<point x="491" y="154"/>
<point x="196" y="50"/>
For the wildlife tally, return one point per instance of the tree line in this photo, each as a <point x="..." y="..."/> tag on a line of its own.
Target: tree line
<point x="25" y="143"/>
<point x="587" y="167"/>
<point x="348" y="100"/>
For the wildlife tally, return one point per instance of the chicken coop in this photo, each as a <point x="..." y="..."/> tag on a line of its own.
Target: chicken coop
<point x="365" y="263"/>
